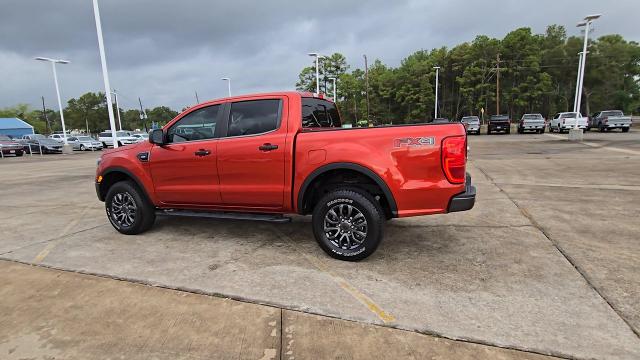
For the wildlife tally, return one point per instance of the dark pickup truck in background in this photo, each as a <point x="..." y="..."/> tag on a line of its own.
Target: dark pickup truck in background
<point x="499" y="123"/>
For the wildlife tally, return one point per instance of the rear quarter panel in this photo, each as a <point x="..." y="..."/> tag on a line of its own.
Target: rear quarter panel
<point x="413" y="173"/>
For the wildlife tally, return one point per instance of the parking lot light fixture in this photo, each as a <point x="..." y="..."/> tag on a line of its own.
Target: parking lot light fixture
<point x="228" y="80"/>
<point x="436" y="105"/>
<point x="335" y="92"/>
<point x="317" y="56"/>
<point x="587" y="24"/>
<point x="105" y="74"/>
<point x="55" y="79"/>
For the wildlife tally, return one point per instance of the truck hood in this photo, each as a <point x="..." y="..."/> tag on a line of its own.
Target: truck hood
<point x="133" y="147"/>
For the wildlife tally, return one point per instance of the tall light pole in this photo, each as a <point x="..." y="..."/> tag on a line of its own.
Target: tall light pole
<point x="55" y="79"/>
<point x="105" y="74"/>
<point x="587" y="24"/>
<point x="366" y="86"/>
<point x="318" y="56"/>
<point x="437" y="78"/>
<point x="228" y="80"/>
<point x="115" y="94"/>
<point x="575" y="96"/>
<point x="334" y="88"/>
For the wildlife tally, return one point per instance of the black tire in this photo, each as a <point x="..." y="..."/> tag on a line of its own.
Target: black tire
<point x="488" y="131"/>
<point x="104" y="145"/>
<point x="19" y="153"/>
<point x="82" y="148"/>
<point x="508" y="131"/>
<point x="341" y="200"/>
<point x="601" y="128"/>
<point x="520" y="131"/>
<point x="625" y="129"/>
<point x="143" y="214"/>
<point x="119" y="144"/>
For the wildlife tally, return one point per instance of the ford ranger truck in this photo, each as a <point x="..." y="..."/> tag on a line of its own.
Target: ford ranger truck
<point x="609" y="120"/>
<point x="260" y="157"/>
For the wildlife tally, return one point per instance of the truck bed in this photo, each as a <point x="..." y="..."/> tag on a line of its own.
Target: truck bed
<point x="406" y="157"/>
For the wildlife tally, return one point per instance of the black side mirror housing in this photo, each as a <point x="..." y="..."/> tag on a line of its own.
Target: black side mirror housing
<point x="156" y="136"/>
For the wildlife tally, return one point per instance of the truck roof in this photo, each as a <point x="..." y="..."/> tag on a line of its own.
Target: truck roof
<point x="276" y="93"/>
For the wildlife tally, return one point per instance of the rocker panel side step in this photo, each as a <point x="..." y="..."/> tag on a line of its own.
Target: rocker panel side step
<point x="224" y="215"/>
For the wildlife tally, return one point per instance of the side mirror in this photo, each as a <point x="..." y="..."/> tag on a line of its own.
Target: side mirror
<point x="156" y="136"/>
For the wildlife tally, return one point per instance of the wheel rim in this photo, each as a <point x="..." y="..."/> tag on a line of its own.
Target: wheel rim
<point x="123" y="209"/>
<point x="81" y="147"/>
<point x="345" y="226"/>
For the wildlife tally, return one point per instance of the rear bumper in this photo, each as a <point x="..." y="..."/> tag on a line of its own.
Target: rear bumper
<point x="465" y="200"/>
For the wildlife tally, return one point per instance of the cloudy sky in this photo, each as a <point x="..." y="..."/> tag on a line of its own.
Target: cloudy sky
<point x="164" y="50"/>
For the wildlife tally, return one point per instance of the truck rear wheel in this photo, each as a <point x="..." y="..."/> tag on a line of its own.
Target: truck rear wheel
<point x="128" y="210"/>
<point x="348" y="224"/>
<point x="625" y="129"/>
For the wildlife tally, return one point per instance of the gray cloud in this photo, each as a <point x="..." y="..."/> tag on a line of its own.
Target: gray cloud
<point x="163" y="51"/>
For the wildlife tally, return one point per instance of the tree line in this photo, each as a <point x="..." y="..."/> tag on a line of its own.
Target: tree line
<point x="537" y="73"/>
<point x="87" y="112"/>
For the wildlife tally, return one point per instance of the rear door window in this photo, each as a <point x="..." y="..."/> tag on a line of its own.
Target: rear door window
<point x="319" y="113"/>
<point x="254" y="117"/>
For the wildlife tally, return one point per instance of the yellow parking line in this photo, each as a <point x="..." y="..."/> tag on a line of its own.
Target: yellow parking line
<point x="345" y="285"/>
<point x="47" y="249"/>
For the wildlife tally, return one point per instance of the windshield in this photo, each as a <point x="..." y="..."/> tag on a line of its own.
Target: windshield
<point x="84" y="138"/>
<point x="568" y="115"/>
<point x="38" y="137"/>
<point x="499" y="117"/>
<point x="612" y="113"/>
<point x="533" y="117"/>
<point x="122" y="134"/>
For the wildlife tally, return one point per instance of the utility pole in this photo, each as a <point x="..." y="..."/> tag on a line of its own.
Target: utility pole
<point x="197" y="100"/>
<point x="115" y="93"/>
<point x="143" y="116"/>
<point x="46" y="119"/>
<point x="498" y="84"/>
<point x="366" y="90"/>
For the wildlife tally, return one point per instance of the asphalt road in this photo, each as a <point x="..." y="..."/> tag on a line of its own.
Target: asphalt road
<point x="547" y="262"/>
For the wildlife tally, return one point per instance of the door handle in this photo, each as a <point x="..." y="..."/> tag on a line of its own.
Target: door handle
<point x="267" y="147"/>
<point x="203" y="152"/>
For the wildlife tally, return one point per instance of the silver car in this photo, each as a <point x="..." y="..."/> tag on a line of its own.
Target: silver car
<point x="83" y="143"/>
<point x="472" y="123"/>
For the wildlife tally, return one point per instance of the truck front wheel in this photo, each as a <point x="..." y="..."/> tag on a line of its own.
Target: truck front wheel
<point x="348" y="224"/>
<point x="127" y="208"/>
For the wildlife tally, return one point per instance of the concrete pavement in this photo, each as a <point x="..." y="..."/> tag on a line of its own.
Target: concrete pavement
<point x="50" y="314"/>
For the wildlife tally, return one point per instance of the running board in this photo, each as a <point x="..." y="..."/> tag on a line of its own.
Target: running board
<point x="225" y="215"/>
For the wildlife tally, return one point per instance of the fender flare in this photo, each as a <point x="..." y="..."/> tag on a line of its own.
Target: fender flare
<point x="118" y="169"/>
<point x="348" y="166"/>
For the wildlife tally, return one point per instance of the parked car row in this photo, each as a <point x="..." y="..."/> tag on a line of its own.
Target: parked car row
<point x="561" y="122"/>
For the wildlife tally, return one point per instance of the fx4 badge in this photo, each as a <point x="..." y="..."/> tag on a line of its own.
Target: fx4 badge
<point x="417" y="141"/>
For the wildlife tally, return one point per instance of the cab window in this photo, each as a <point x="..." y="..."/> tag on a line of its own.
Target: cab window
<point x="197" y="125"/>
<point x="319" y="113"/>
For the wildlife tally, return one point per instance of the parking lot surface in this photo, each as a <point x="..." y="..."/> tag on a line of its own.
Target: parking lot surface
<point x="547" y="262"/>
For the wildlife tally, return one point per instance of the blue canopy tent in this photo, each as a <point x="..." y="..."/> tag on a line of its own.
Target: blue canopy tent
<point x="14" y="127"/>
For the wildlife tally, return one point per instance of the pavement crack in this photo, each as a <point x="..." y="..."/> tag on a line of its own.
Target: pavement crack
<point x="50" y="240"/>
<point x="560" y="249"/>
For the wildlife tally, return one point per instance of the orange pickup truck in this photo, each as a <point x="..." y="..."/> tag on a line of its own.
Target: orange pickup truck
<point x="260" y="157"/>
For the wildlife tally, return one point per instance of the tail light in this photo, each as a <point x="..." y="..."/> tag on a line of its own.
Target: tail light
<point x="454" y="158"/>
